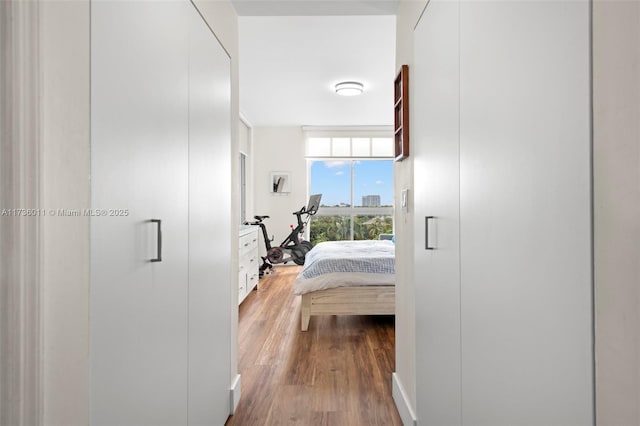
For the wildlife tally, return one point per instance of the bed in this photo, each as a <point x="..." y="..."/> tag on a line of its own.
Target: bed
<point x="347" y="278"/>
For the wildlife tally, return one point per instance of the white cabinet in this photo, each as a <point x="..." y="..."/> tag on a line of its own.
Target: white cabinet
<point x="160" y="149"/>
<point x="501" y="144"/>
<point x="249" y="261"/>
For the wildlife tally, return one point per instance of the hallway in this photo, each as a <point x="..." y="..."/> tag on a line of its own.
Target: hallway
<point x="337" y="373"/>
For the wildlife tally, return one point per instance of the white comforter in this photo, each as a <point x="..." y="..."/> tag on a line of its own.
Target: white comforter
<point x="347" y="263"/>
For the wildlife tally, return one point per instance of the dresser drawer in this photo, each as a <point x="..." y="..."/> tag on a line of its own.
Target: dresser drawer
<point x="251" y="259"/>
<point x="248" y="262"/>
<point x="252" y="281"/>
<point x="248" y="242"/>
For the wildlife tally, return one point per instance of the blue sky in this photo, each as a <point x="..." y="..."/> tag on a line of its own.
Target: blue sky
<point x="333" y="180"/>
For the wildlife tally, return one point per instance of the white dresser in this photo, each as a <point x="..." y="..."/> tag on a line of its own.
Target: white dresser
<point x="249" y="261"/>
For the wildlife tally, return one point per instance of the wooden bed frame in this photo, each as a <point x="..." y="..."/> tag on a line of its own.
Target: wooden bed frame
<point x="358" y="300"/>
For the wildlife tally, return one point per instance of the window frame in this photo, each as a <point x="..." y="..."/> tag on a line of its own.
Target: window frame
<point x="371" y="133"/>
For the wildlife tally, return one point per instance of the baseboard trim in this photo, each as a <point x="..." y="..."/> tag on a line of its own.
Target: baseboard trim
<point x="235" y="394"/>
<point x="402" y="403"/>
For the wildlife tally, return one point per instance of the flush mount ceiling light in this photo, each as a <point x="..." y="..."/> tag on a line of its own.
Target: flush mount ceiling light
<point x="349" y="88"/>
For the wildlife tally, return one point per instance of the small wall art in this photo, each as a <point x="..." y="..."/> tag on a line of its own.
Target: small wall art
<point x="280" y="182"/>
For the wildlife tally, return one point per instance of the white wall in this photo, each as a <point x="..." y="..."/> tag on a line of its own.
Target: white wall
<point x="407" y="17"/>
<point x="65" y="33"/>
<point x="616" y="71"/>
<point x="278" y="149"/>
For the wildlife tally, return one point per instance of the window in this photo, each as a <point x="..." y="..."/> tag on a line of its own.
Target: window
<point x="369" y="227"/>
<point x="357" y="147"/>
<point x="355" y="178"/>
<point x="330" y="228"/>
<point x="373" y="183"/>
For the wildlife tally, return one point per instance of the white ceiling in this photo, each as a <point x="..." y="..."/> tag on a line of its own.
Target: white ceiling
<point x="289" y="65"/>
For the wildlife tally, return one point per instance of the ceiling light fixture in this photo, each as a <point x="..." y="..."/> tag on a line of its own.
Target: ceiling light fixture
<point x="349" y="88"/>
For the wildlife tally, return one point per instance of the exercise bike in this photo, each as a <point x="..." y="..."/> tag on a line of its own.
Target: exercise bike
<point x="293" y="248"/>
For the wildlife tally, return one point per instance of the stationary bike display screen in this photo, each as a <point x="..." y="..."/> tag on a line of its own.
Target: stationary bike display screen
<point x="314" y="204"/>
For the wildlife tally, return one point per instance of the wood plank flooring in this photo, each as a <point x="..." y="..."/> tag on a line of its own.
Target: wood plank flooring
<point x="336" y="374"/>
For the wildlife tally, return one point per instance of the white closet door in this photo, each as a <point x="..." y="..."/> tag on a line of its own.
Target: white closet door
<point x="138" y="317"/>
<point x="209" y="226"/>
<point x="525" y="213"/>
<point x="435" y="142"/>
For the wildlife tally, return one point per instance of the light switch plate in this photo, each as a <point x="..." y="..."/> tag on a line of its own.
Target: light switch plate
<point x="404" y="200"/>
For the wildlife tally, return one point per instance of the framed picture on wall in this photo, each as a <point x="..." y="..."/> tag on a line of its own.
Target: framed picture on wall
<point x="280" y="182"/>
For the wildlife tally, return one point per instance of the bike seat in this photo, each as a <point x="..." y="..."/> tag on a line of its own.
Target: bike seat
<point x="261" y="217"/>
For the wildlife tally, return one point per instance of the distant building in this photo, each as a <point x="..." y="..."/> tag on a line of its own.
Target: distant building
<point x="370" y="201"/>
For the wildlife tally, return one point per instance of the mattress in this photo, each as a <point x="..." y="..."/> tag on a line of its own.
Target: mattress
<point x="347" y="263"/>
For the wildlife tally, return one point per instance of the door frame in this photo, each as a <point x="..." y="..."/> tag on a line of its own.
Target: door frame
<point x="20" y="235"/>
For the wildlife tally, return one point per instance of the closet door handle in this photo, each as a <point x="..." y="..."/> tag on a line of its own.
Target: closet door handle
<point x="158" y="257"/>
<point x="426" y="233"/>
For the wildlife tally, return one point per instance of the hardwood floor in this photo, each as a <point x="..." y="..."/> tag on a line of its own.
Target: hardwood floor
<point x="336" y="374"/>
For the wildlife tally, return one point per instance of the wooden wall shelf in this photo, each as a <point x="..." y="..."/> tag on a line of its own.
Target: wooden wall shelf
<point x="401" y="114"/>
